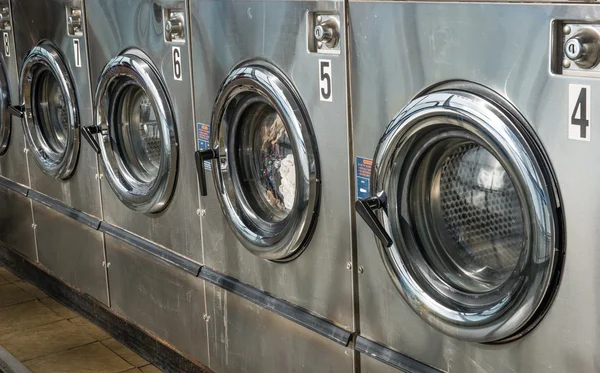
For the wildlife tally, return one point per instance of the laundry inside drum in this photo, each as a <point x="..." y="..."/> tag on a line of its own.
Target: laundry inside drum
<point x="268" y="162"/>
<point x="476" y="218"/>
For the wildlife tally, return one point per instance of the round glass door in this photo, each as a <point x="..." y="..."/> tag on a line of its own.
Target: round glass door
<point x="51" y="117"/>
<point x="137" y="137"/>
<point x="267" y="171"/>
<point x="5" y="118"/>
<point x="468" y="214"/>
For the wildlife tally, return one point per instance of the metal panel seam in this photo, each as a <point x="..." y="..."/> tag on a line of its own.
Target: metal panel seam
<point x="63" y="209"/>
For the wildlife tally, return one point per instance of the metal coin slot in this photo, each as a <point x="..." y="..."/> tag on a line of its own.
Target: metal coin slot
<point x="576" y="49"/>
<point x="5" y="20"/>
<point x="74" y="21"/>
<point x="174" y="25"/>
<point x="324" y="33"/>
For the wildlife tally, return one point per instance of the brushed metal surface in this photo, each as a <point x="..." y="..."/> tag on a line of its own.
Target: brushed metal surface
<point x="161" y="298"/>
<point x="16" y="220"/>
<point x="13" y="164"/>
<point x="112" y="27"/>
<point x="245" y="337"/>
<point x="397" y="51"/>
<point x="36" y="21"/>
<point x="225" y="33"/>
<point x="72" y="251"/>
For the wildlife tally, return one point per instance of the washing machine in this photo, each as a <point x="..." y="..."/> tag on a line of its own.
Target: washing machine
<point x="54" y="102"/>
<point x="273" y="161"/>
<point x="476" y="203"/>
<point x="16" y="217"/>
<point x="144" y="134"/>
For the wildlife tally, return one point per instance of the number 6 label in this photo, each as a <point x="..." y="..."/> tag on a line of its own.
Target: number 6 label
<point x="325" y="82"/>
<point x="177" y="75"/>
<point x="580" y="114"/>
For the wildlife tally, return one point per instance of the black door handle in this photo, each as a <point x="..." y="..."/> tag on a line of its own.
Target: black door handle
<point x="88" y="134"/>
<point x="201" y="156"/>
<point x="365" y="208"/>
<point x="17" y="111"/>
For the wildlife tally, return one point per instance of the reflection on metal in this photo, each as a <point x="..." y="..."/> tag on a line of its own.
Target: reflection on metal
<point x="5" y="117"/>
<point x="136" y="133"/>
<point x="159" y="252"/>
<point x="278" y="306"/>
<point x="60" y="207"/>
<point x="267" y="174"/>
<point x="15" y="187"/>
<point x="51" y="114"/>
<point x="390" y="357"/>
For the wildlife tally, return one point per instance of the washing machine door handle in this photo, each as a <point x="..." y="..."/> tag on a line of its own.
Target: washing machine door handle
<point x="17" y="110"/>
<point x="201" y="156"/>
<point x="366" y="209"/>
<point x="88" y="134"/>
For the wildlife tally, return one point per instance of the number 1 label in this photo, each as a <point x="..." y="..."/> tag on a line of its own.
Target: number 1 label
<point x="580" y="112"/>
<point x="325" y="82"/>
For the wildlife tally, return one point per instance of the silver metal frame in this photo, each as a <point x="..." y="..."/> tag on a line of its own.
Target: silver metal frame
<point x="139" y="196"/>
<point x="293" y="233"/>
<point x="45" y="57"/>
<point x="499" y="313"/>
<point x="5" y="117"/>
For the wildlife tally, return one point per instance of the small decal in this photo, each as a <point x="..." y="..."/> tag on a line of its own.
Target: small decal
<point x="77" y="52"/>
<point x="203" y="136"/>
<point x="363" y="177"/>
<point x="6" y="38"/>
<point x="325" y="83"/>
<point x="580" y="112"/>
<point x="177" y="74"/>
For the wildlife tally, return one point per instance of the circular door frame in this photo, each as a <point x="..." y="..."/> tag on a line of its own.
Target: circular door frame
<point x="5" y="117"/>
<point x="262" y="78"/>
<point x="41" y="58"/>
<point x="134" y="66"/>
<point x="501" y="130"/>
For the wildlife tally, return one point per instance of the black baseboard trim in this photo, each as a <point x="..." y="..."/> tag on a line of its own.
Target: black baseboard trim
<point x="390" y="357"/>
<point x="140" y="341"/>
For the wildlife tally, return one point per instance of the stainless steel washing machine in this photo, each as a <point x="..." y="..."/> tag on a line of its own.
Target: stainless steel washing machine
<point x="55" y="101"/>
<point x="144" y="134"/>
<point x="15" y="209"/>
<point x="475" y="183"/>
<point x="273" y="161"/>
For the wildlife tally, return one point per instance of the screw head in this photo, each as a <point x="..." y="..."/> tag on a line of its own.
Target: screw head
<point x="319" y="18"/>
<point x="566" y="63"/>
<point x="349" y="266"/>
<point x="206" y="318"/>
<point x="566" y="30"/>
<point x="199" y="212"/>
<point x="319" y="45"/>
<point x="360" y="269"/>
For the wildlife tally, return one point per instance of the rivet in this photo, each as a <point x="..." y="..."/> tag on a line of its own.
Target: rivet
<point x="566" y="63"/>
<point x="360" y="269"/>
<point x="206" y="318"/>
<point x="349" y="266"/>
<point x="566" y="29"/>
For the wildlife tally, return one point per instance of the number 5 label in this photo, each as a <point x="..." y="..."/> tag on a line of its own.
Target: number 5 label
<point x="325" y="82"/>
<point x="580" y="112"/>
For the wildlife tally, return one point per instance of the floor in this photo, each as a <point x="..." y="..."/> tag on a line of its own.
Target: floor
<point x="49" y="338"/>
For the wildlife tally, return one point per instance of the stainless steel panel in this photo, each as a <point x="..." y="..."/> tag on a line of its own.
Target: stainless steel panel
<point x="226" y="33"/>
<point x="35" y="21"/>
<point x="16" y="223"/>
<point x="72" y="251"/>
<point x="245" y="337"/>
<point x="370" y="365"/>
<point x="13" y="164"/>
<point x="161" y="298"/>
<point x="396" y="52"/>
<point x="112" y="27"/>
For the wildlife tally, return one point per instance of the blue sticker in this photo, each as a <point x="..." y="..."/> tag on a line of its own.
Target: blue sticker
<point x="203" y="136"/>
<point x="363" y="177"/>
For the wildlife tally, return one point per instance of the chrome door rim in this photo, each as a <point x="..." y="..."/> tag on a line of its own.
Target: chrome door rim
<point x="264" y="81"/>
<point x="133" y="68"/>
<point x="495" y="317"/>
<point x="44" y="59"/>
<point x="5" y="117"/>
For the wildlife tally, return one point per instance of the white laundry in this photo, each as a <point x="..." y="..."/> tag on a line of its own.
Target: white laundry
<point x="287" y="171"/>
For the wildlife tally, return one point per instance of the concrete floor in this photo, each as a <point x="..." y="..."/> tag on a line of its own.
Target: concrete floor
<point x="49" y="338"/>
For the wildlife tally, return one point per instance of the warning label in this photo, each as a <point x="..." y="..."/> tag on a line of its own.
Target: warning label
<point x="203" y="136"/>
<point x="363" y="177"/>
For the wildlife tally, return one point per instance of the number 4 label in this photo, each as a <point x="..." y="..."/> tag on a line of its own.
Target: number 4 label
<point x="580" y="112"/>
